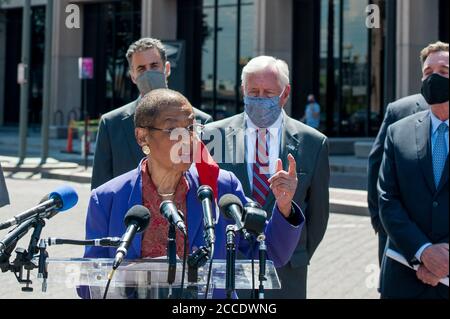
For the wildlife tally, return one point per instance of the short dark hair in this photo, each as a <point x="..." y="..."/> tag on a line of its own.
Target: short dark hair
<point x="145" y="44"/>
<point x="152" y="103"/>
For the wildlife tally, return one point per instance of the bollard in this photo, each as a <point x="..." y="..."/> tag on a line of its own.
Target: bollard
<point x="69" y="147"/>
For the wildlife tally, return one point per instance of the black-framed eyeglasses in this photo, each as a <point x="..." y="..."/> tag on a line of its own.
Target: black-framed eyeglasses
<point x="194" y="128"/>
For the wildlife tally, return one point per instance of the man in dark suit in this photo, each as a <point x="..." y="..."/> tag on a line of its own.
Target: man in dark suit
<point x="116" y="150"/>
<point x="394" y="112"/>
<point x="414" y="192"/>
<point x="4" y="198"/>
<point x="251" y="146"/>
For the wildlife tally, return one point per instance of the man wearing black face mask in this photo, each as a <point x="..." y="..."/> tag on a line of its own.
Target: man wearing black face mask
<point x="394" y="112"/>
<point x="414" y="190"/>
<point x="116" y="150"/>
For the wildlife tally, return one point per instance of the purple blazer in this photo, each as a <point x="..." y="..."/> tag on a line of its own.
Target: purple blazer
<point x="110" y="202"/>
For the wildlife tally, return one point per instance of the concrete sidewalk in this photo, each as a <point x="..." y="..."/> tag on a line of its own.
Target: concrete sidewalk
<point x="9" y="148"/>
<point x="59" y="160"/>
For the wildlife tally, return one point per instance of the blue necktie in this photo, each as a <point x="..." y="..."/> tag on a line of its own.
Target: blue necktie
<point x="439" y="153"/>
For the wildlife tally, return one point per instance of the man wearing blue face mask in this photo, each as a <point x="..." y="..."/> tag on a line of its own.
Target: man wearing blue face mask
<point x="116" y="150"/>
<point x="258" y="145"/>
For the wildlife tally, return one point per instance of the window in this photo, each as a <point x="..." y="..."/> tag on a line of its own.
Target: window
<point x="227" y="45"/>
<point x="349" y="89"/>
<point x="13" y="56"/>
<point x="110" y="28"/>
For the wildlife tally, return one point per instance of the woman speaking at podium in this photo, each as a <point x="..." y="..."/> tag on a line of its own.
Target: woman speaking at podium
<point x="167" y="173"/>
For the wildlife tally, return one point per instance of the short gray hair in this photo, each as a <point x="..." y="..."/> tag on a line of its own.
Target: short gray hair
<point x="261" y="63"/>
<point x="145" y="44"/>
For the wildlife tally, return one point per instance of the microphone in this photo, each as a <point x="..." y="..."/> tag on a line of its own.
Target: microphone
<point x="231" y="207"/>
<point x="205" y="195"/>
<point x="170" y="212"/>
<point x="100" y="242"/>
<point x="254" y="218"/>
<point x="137" y="220"/>
<point x="62" y="199"/>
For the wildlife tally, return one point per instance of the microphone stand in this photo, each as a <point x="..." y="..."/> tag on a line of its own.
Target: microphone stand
<point x="172" y="258"/>
<point x="262" y="265"/>
<point x="230" y="261"/>
<point x="42" y="265"/>
<point x="43" y="254"/>
<point x="33" y="249"/>
<point x="102" y="242"/>
<point x="25" y="258"/>
<point x="196" y="260"/>
<point x="44" y="243"/>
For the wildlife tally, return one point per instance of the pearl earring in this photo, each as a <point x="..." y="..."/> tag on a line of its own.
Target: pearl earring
<point x="146" y="150"/>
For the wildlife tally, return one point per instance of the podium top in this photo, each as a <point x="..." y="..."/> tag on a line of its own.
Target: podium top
<point x="151" y="273"/>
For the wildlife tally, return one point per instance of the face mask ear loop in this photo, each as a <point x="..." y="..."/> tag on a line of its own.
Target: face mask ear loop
<point x="282" y="93"/>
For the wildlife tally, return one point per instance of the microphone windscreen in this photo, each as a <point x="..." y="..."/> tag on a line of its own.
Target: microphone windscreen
<point x="227" y="200"/>
<point x="138" y="215"/>
<point x="253" y="204"/>
<point x="167" y="205"/>
<point x="205" y="191"/>
<point x="67" y="195"/>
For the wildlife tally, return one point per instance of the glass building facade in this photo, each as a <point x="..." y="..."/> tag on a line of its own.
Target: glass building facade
<point x="227" y="45"/>
<point x="219" y="38"/>
<point x="351" y="69"/>
<point x="109" y="29"/>
<point x="227" y="42"/>
<point x="345" y="66"/>
<point x="13" y="22"/>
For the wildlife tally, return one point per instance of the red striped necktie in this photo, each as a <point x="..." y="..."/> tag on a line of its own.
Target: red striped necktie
<point x="261" y="168"/>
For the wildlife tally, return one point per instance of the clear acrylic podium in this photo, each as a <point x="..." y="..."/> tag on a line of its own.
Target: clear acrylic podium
<point x="147" y="278"/>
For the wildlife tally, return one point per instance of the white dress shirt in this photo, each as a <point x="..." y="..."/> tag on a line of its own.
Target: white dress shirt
<point x="274" y="142"/>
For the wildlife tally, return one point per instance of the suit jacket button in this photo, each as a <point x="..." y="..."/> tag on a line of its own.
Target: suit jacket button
<point x="435" y="204"/>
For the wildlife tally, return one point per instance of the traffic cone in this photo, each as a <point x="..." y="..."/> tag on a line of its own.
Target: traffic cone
<point x="69" y="147"/>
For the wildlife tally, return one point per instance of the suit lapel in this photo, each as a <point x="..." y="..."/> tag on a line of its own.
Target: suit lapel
<point x="444" y="179"/>
<point x="236" y="146"/>
<point x="235" y="151"/>
<point x="289" y="145"/>
<point x="423" y="128"/>
<point x="194" y="208"/>
<point x="136" y="199"/>
<point x="421" y="105"/>
<point x="128" y="130"/>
